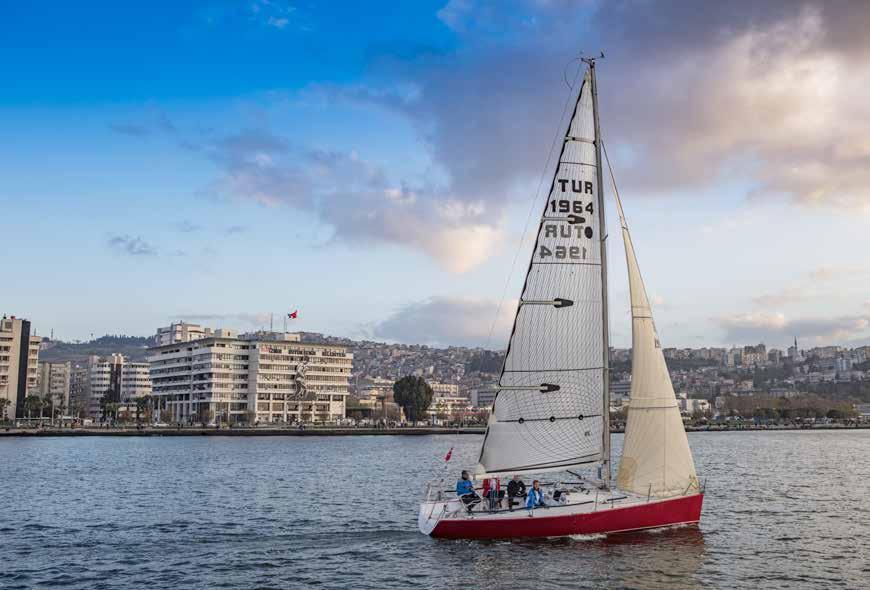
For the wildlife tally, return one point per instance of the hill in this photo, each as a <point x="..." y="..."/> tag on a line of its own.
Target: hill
<point x="132" y="347"/>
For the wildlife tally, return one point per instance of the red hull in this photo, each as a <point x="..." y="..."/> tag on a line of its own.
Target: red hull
<point x="682" y="510"/>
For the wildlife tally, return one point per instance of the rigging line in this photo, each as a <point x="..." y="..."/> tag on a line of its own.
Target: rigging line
<point x="615" y="190"/>
<point x="532" y="206"/>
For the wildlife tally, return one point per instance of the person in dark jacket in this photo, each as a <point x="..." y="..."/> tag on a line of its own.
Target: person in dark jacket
<point x="516" y="492"/>
<point x="465" y="491"/>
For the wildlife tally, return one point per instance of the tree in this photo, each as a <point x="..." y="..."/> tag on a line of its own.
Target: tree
<point x="142" y="404"/>
<point x="32" y="403"/>
<point x="4" y="403"/>
<point x="414" y="395"/>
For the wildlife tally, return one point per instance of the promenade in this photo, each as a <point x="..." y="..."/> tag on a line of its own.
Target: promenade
<point x="212" y="431"/>
<point x="350" y="431"/>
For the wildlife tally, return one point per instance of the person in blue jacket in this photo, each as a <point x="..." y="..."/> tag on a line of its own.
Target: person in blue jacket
<point x="465" y="491"/>
<point x="535" y="497"/>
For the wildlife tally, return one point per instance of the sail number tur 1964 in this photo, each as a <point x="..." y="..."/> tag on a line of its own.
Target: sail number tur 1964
<point x="580" y="214"/>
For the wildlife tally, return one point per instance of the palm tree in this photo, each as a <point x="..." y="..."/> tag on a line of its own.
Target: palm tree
<point x="31" y="403"/>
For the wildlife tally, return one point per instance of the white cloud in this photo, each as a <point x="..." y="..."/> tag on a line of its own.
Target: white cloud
<point x="444" y="321"/>
<point x="355" y="198"/>
<point x="776" y="328"/>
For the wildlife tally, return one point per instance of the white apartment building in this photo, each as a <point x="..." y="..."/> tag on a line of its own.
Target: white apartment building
<point x="181" y="332"/>
<point x="448" y="408"/>
<point x="265" y="377"/>
<point x="375" y="388"/>
<point x="116" y="378"/>
<point x="444" y="389"/>
<point x="53" y="382"/>
<point x="19" y="357"/>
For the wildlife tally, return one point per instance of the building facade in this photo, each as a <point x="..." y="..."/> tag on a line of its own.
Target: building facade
<point x="114" y="380"/>
<point x="264" y="377"/>
<point x="19" y="357"/>
<point x="444" y="389"/>
<point x="79" y="390"/>
<point x="53" y="383"/>
<point x="181" y="332"/>
<point x="483" y="397"/>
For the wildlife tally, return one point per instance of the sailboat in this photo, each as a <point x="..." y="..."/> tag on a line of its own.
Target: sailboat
<point x="551" y="412"/>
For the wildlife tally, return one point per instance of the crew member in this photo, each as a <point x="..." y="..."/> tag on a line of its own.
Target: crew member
<point x="465" y="491"/>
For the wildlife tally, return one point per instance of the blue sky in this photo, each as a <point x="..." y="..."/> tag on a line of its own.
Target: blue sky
<point x="373" y="164"/>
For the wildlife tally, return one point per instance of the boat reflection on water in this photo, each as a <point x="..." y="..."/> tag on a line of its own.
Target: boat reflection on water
<point x="665" y="558"/>
<point x="660" y="558"/>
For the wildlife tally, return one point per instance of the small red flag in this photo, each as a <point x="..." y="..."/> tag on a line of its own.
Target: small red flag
<point x="449" y="454"/>
<point x="293" y="315"/>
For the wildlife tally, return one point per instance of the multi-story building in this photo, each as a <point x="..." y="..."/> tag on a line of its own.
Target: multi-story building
<point x="181" y="332"/>
<point x="19" y="357"/>
<point x="483" y="397"/>
<point x="444" y="389"/>
<point x="754" y="356"/>
<point x="774" y="356"/>
<point x="260" y="377"/>
<point x="116" y="380"/>
<point x="374" y="388"/>
<point x="79" y="391"/>
<point x="53" y="383"/>
<point x="690" y="406"/>
<point x="448" y="408"/>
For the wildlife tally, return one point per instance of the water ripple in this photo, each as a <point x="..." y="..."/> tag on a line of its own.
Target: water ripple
<point x="784" y="510"/>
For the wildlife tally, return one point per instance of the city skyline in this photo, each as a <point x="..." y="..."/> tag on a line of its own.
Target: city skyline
<point x="375" y="168"/>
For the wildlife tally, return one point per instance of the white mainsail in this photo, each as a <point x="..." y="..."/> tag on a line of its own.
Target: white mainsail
<point x="547" y="415"/>
<point x="656" y="458"/>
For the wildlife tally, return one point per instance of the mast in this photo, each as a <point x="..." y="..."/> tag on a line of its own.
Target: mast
<point x="605" y="411"/>
<point x="551" y="410"/>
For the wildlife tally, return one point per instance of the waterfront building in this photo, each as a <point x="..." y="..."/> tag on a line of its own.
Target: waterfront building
<point x="690" y="406"/>
<point x="79" y="390"/>
<point x="375" y="388"/>
<point x="483" y="397"/>
<point x="53" y="383"/>
<point x="19" y="357"/>
<point x="444" y="389"/>
<point x="116" y="380"/>
<point x="448" y="408"/>
<point x="620" y="392"/>
<point x="181" y="332"/>
<point x="265" y="377"/>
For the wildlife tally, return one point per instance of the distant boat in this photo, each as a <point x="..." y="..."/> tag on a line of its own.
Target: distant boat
<point x="551" y="411"/>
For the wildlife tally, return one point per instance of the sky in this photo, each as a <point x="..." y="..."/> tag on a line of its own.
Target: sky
<point x="377" y="165"/>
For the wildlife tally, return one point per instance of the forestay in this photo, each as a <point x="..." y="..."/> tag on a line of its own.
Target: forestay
<point x="656" y="458"/>
<point x="547" y="413"/>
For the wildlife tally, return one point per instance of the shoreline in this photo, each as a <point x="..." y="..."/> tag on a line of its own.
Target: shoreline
<point x="197" y="431"/>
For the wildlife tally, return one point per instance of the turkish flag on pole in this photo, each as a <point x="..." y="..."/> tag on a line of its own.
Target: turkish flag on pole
<point x="449" y="454"/>
<point x="293" y="315"/>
